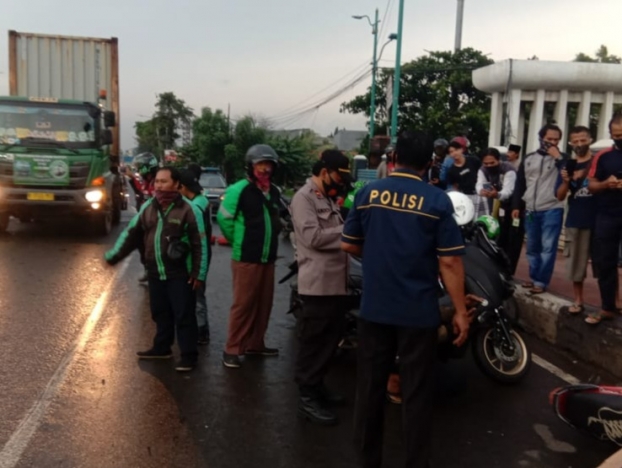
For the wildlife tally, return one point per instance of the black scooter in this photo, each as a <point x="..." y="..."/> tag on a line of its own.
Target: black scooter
<point x="498" y="348"/>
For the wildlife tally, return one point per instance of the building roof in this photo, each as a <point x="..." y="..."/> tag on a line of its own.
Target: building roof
<point x="348" y="140"/>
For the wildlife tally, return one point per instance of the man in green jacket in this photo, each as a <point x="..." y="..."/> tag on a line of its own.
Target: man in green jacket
<point x="172" y="232"/>
<point x="249" y="220"/>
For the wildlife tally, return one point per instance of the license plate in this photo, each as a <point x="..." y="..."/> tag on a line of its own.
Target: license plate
<point x="39" y="196"/>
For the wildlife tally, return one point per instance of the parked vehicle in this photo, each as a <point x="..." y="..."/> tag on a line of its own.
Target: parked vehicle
<point x="214" y="186"/>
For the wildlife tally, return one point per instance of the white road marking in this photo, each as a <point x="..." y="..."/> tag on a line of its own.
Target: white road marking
<point x="14" y="448"/>
<point x="553" y="369"/>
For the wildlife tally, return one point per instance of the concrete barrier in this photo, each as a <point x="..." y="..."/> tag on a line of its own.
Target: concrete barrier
<point x="599" y="345"/>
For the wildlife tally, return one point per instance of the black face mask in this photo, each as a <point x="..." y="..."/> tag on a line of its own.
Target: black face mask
<point x="618" y="143"/>
<point x="581" y="150"/>
<point x="545" y="146"/>
<point x="333" y="189"/>
<point x="494" y="170"/>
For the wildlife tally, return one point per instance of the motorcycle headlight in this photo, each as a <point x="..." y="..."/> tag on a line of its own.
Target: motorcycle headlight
<point x="94" y="196"/>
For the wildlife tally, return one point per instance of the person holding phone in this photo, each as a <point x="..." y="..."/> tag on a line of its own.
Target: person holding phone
<point x="605" y="179"/>
<point x="495" y="179"/>
<point x="572" y="183"/>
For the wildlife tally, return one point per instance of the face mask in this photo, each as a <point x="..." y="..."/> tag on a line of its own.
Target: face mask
<point x="581" y="150"/>
<point x="545" y="146"/>
<point x="493" y="169"/>
<point x="618" y="143"/>
<point x="263" y="178"/>
<point x="332" y="189"/>
<point x="166" y="197"/>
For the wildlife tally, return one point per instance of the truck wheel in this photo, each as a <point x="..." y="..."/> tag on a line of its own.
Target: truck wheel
<point x="102" y="223"/>
<point x="4" y="222"/>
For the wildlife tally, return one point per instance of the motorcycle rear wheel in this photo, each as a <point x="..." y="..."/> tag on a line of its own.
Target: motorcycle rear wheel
<point x="498" y="362"/>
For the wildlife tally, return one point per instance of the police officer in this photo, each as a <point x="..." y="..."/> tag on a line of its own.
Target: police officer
<point x="410" y="235"/>
<point x="322" y="282"/>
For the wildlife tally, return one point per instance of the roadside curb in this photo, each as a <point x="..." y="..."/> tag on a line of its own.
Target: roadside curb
<point x="600" y="345"/>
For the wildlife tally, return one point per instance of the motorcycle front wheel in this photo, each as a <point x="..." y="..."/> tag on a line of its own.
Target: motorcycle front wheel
<point x="497" y="360"/>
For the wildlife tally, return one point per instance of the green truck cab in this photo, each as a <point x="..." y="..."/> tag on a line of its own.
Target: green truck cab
<point x="55" y="162"/>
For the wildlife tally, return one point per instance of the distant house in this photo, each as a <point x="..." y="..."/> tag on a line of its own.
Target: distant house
<point x="299" y="132"/>
<point x="348" y="140"/>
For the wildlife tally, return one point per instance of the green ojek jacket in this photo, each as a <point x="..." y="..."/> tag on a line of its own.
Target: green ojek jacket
<point x="250" y="221"/>
<point x="155" y="228"/>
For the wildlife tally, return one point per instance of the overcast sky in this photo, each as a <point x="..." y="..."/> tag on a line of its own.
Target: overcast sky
<point x="265" y="56"/>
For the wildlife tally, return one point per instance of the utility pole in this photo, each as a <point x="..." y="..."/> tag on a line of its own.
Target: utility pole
<point x="374" y="64"/>
<point x="459" y="18"/>
<point x="398" y="72"/>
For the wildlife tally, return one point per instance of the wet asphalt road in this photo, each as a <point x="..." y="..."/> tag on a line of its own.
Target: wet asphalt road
<point x="109" y="410"/>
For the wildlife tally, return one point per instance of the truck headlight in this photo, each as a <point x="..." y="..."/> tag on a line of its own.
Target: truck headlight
<point x="94" y="196"/>
<point x="222" y="197"/>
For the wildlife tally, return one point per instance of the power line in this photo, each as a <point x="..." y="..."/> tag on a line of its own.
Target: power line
<point x="385" y="16"/>
<point x="352" y="72"/>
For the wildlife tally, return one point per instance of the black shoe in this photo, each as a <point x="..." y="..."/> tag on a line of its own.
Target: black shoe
<point x="185" y="364"/>
<point x="312" y="409"/>
<point x="262" y="352"/>
<point x="154" y="354"/>
<point x="231" y="361"/>
<point x="203" y="336"/>
<point x="330" y="398"/>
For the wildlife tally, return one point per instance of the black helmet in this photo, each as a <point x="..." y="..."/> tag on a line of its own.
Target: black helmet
<point x="258" y="153"/>
<point x="145" y="163"/>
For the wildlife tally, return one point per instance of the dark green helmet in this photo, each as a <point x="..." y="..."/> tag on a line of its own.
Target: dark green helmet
<point x="257" y="153"/>
<point x="145" y="163"/>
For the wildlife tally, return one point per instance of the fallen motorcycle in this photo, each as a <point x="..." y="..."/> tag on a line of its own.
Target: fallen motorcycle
<point x="596" y="410"/>
<point x="498" y="348"/>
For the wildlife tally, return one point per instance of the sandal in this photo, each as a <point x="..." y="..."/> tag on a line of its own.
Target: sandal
<point x="536" y="290"/>
<point x="576" y="309"/>
<point x="528" y="285"/>
<point x="394" y="398"/>
<point x="596" y="318"/>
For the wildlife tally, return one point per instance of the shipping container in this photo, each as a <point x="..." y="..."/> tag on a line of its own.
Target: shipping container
<point x="66" y="67"/>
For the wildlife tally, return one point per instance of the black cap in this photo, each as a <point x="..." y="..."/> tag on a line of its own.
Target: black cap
<point x="188" y="180"/>
<point x="515" y="148"/>
<point x="335" y="160"/>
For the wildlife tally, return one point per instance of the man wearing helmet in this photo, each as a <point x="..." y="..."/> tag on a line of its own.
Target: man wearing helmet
<point x="322" y="282"/>
<point x="249" y="220"/>
<point x="387" y="165"/>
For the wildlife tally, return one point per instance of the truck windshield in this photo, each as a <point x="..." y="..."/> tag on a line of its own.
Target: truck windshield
<point x="22" y="123"/>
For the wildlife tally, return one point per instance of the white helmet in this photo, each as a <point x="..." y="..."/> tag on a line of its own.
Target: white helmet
<point x="464" y="210"/>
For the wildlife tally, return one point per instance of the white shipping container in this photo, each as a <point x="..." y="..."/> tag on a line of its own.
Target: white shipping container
<point x="65" y="67"/>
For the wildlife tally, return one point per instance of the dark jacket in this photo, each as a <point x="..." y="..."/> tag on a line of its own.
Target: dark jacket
<point x="156" y="230"/>
<point x="250" y="221"/>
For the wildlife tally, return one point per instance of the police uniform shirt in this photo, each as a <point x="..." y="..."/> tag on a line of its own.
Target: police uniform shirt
<point x="405" y="224"/>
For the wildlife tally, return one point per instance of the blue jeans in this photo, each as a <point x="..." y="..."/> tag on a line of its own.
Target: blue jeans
<point x="543" y="229"/>
<point x="201" y="310"/>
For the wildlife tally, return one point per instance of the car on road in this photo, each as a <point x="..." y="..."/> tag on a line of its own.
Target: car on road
<point x="214" y="186"/>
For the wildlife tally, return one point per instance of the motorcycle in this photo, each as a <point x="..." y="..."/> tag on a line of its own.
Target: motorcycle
<point x="596" y="410"/>
<point x="497" y="346"/>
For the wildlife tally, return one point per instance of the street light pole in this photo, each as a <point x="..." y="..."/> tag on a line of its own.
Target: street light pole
<point x="397" y="73"/>
<point x="372" y="105"/>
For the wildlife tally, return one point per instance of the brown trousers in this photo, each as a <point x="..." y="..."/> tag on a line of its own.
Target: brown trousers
<point x="253" y="292"/>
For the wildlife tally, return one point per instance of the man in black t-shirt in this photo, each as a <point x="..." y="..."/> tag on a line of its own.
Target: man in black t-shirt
<point x="462" y="176"/>
<point x="606" y="181"/>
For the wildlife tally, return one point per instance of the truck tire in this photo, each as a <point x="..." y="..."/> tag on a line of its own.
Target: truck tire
<point x="102" y="223"/>
<point x="4" y="222"/>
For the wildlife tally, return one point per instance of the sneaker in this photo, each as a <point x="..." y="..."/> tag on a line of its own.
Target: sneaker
<point x="262" y="352"/>
<point x="185" y="364"/>
<point x="231" y="361"/>
<point x="154" y="354"/>
<point x="203" y="336"/>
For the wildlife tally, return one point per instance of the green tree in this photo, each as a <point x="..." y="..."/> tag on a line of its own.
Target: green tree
<point x="601" y="56"/>
<point x="296" y="157"/>
<point x="210" y="135"/>
<point x="436" y="95"/>
<point x="246" y="134"/>
<point x="171" y="118"/>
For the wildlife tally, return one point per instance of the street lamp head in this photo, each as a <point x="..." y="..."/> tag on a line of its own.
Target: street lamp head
<point x="393" y="37"/>
<point x="357" y="17"/>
